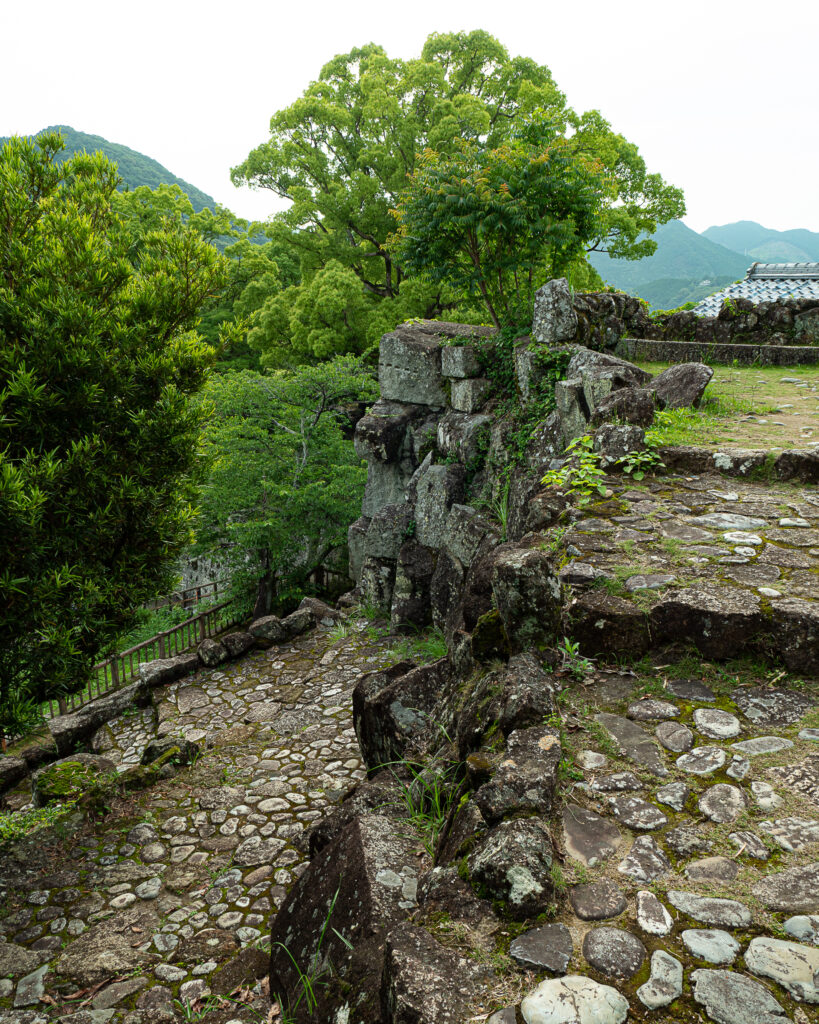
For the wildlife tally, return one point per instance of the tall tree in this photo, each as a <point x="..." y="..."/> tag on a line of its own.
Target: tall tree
<point x="284" y="483"/>
<point x="99" y="435"/>
<point x="342" y="153"/>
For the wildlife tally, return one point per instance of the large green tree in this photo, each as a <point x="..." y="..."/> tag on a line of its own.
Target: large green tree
<point x="284" y="482"/>
<point x="341" y="156"/>
<point x="99" y="433"/>
<point x="497" y="222"/>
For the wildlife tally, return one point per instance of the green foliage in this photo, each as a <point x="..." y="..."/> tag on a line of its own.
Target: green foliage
<point x="14" y="826"/>
<point x="342" y="153"/>
<point x="421" y="647"/>
<point x="99" y="435"/>
<point x="637" y="463"/>
<point x="428" y="792"/>
<point x="572" y="660"/>
<point x="497" y="222"/>
<point x="284" y="483"/>
<point x="581" y="475"/>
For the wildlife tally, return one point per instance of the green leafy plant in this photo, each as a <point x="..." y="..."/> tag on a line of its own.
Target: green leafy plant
<point x="16" y="825"/>
<point x="572" y="660"/>
<point x="582" y="475"/>
<point x="637" y="463"/>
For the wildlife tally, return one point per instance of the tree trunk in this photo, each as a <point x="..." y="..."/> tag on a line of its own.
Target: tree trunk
<point x="264" y="596"/>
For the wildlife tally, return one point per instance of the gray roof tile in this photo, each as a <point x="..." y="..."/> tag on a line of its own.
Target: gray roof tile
<point x="767" y="282"/>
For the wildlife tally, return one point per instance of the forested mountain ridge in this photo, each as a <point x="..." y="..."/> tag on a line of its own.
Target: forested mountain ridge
<point x="135" y="168"/>
<point x="766" y="245"/>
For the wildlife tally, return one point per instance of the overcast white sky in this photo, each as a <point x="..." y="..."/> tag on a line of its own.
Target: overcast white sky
<point x="719" y="95"/>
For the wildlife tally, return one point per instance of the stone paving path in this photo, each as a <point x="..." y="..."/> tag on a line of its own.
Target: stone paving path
<point x="691" y="840"/>
<point x="153" y="911"/>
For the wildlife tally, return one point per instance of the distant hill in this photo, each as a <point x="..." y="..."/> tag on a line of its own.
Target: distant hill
<point x="765" y="244"/>
<point x="135" y="168"/>
<point x="684" y="263"/>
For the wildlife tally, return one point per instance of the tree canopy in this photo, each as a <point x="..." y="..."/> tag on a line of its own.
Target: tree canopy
<point x="284" y="482"/>
<point x="342" y="155"/>
<point x="99" y="436"/>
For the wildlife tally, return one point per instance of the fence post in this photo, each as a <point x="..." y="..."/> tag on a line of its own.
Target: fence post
<point x="114" y="672"/>
<point x="161" y="646"/>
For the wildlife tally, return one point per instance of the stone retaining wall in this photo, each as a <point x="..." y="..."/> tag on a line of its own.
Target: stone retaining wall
<point x="648" y="350"/>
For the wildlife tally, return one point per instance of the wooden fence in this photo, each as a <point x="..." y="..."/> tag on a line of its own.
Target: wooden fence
<point x="123" y="667"/>
<point x="191" y="596"/>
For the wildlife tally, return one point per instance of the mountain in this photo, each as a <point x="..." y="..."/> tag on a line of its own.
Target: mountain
<point x="765" y="244"/>
<point x="135" y="168"/>
<point x="682" y="257"/>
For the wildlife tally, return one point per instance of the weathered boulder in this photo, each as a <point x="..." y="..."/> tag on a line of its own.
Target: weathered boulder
<point x="526" y="779"/>
<point x="554" y="319"/>
<point x="167" y="670"/>
<point x="107" y="949"/>
<point x="682" y="385"/>
<point x="409" y="366"/>
<point x="382" y="794"/>
<point x="268" y="628"/>
<point x="397" y="707"/>
<point x="794" y="891"/>
<point x="362" y="885"/>
<point x="387" y="531"/>
<point x="614" y="441"/>
<point x="588" y="364"/>
<point x="627" y="405"/>
<point x="527" y="595"/>
<point x="720" y="622"/>
<point x="356" y="538"/>
<point x="239" y="643"/>
<point x="512" y="864"/>
<point x="380" y="435"/>
<point x="71" y="778"/>
<point x="68" y="731"/>
<point x="298" y="622"/>
<point x="572" y="407"/>
<point x="424" y="983"/>
<point x="731" y="998"/>
<point x="437" y="490"/>
<point x="376" y="582"/>
<point x="603" y="623"/>
<point x="465" y="531"/>
<point x="12" y="771"/>
<point x="180" y="750"/>
<point x="411" y="608"/>
<point x="797" y="632"/>
<point x="573" y="1000"/>
<point x="212" y="653"/>
<point x="464" y="436"/>
<point x="460" y="361"/>
<point x="798" y="464"/>
<point x="322" y="613"/>
<point x="446" y="593"/>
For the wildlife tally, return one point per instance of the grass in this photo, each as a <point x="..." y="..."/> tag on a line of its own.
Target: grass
<point x="736" y="402"/>
<point x="17" y="826"/>
<point x="428" y="795"/>
<point x="422" y="647"/>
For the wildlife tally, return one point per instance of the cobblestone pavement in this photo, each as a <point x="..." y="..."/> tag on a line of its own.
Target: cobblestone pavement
<point x="165" y="903"/>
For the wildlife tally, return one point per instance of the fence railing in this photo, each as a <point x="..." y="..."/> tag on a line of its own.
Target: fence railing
<point x="191" y="596"/>
<point x="122" y="668"/>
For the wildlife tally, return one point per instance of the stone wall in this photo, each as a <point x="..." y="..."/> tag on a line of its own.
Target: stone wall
<point x="603" y="318"/>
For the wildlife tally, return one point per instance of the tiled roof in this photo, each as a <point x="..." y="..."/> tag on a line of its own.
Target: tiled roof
<point x="767" y="282"/>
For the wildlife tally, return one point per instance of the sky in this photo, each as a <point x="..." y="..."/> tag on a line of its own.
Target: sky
<point x="719" y="96"/>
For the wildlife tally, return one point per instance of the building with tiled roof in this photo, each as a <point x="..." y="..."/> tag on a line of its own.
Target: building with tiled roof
<point x="767" y="282"/>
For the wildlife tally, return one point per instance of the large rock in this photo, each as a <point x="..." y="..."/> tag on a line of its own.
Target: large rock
<point x="396" y="708"/>
<point x="239" y="643"/>
<point x="71" y="778"/>
<point x="526" y="779"/>
<point x="574" y="1000"/>
<point x="356" y="539"/>
<point x="465" y="532"/>
<point x="731" y="998"/>
<point x="791" y="965"/>
<point x="409" y="366"/>
<point x="12" y="771"/>
<point x="587" y="364"/>
<point x="339" y="911"/>
<point x="720" y="622"/>
<point x="603" y="623"/>
<point x="377" y="582"/>
<point x="554" y="319"/>
<point x="424" y="983"/>
<point x="797" y="630"/>
<point x="588" y="837"/>
<point x="682" y="385"/>
<point x="795" y="891"/>
<point x="634" y="406"/>
<point x="167" y="670"/>
<point x="269" y="627"/>
<point x="411" y="604"/>
<point x="107" y="949"/>
<point x="614" y="952"/>
<point x="212" y="653"/>
<point x="437" y="490"/>
<point x="464" y="436"/>
<point x="388" y="530"/>
<point x="527" y="596"/>
<point x="512" y="864"/>
<point x="69" y="731"/>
